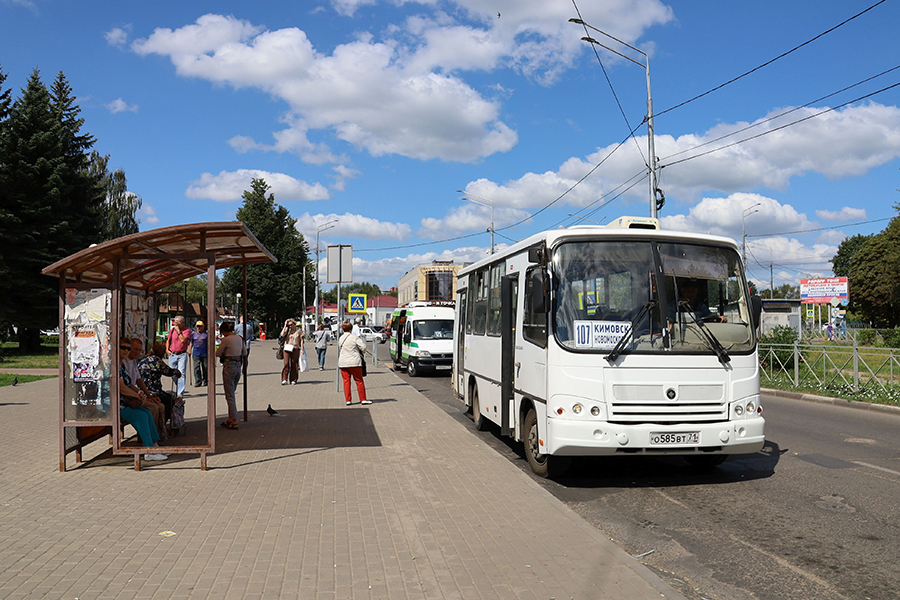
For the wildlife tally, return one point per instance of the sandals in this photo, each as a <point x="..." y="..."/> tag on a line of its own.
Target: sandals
<point x="229" y="424"/>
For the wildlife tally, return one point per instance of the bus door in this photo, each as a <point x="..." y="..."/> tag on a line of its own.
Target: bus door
<point x="459" y="358"/>
<point x="397" y="328"/>
<point x="532" y="334"/>
<point x="509" y="288"/>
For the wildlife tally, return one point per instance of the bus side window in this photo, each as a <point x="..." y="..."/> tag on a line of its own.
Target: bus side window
<point x="534" y="325"/>
<point x="481" y="302"/>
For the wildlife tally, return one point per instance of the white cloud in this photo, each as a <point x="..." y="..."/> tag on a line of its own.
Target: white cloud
<point x="839" y="144"/>
<point x="229" y="186"/>
<point x="343" y="174"/>
<point x="351" y="226"/>
<point x="844" y="215"/>
<point x="147" y="214"/>
<point x="399" y="95"/>
<point x="118" y="105"/>
<point x="118" y="36"/>
<point x="468" y="219"/>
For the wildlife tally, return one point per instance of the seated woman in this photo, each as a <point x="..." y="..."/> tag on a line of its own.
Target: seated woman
<point x="130" y="410"/>
<point x="152" y="367"/>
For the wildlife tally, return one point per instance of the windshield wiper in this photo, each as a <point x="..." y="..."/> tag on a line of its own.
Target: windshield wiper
<point x="619" y="347"/>
<point x="708" y="335"/>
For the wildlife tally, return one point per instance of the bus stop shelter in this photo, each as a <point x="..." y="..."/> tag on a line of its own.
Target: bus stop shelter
<point x="107" y="293"/>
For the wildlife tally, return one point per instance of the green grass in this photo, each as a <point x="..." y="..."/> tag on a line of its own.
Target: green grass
<point x="9" y="378"/>
<point x="12" y="358"/>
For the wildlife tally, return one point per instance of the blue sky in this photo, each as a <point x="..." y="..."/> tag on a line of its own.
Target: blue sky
<point x="375" y="112"/>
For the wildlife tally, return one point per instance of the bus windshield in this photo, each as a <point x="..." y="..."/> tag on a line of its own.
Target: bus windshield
<point x="607" y="290"/>
<point x="434" y="329"/>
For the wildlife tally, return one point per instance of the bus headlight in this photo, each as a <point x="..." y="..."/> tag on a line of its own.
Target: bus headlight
<point x="577" y="408"/>
<point x="595" y="410"/>
<point x="423" y="353"/>
<point x="747" y="408"/>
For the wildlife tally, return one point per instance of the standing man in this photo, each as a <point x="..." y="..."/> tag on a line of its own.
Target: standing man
<point x="198" y="347"/>
<point x="245" y="331"/>
<point x="176" y="348"/>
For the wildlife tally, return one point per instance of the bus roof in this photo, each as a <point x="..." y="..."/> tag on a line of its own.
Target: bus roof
<point x="554" y="236"/>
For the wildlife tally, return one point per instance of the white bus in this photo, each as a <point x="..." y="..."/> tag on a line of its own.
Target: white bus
<point x="618" y="339"/>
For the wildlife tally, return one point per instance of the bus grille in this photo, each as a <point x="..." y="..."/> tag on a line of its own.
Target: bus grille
<point x="649" y="404"/>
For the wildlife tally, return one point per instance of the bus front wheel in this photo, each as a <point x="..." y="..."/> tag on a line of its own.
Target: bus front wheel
<point x="543" y="465"/>
<point x="411" y="368"/>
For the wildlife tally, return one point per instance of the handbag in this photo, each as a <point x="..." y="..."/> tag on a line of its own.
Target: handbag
<point x="365" y="371"/>
<point x="288" y="348"/>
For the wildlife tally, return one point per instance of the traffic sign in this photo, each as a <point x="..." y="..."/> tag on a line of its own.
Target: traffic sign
<point x="356" y="303"/>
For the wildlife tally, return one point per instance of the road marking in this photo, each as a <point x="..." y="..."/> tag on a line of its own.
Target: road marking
<point x="876" y="467"/>
<point x="672" y="500"/>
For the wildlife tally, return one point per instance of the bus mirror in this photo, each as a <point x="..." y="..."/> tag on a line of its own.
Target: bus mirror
<point x="540" y="297"/>
<point x="536" y="254"/>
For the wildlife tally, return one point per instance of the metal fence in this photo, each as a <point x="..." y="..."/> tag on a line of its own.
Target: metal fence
<point x="830" y="365"/>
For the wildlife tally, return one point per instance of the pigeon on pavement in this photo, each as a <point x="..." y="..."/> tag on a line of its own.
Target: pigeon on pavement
<point x="272" y="412"/>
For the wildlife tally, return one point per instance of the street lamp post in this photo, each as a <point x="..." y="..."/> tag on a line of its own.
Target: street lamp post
<point x="654" y="169"/>
<point x="490" y="205"/>
<point x="747" y="212"/>
<point x="319" y="229"/>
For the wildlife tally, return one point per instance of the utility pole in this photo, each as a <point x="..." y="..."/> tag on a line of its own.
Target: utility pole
<point x="651" y="143"/>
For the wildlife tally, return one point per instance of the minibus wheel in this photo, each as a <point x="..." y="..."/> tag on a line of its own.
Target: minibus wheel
<point x="543" y="465"/>
<point x="480" y="422"/>
<point x="411" y="369"/>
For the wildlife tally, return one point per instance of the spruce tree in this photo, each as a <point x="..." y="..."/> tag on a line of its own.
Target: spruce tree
<point x="50" y="204"/>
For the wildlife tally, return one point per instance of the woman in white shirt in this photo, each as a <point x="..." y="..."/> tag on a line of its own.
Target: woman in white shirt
<point x="351" y="351"/>
<point x="293" y="345"/>
<point x="231" y="354"/>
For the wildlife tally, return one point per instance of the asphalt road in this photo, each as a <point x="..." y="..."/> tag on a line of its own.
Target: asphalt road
<point x="814" y="515"/>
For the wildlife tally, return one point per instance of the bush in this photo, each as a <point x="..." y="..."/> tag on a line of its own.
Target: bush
<point x="866" y="337"/>
<point x="782" y="338"/>
<point x="891" y="338"/>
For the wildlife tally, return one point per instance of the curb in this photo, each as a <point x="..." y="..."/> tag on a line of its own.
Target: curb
<point x="858" y="405"/>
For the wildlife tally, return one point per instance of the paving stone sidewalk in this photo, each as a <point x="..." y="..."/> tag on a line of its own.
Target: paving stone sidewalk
<point x="389" y="501"/>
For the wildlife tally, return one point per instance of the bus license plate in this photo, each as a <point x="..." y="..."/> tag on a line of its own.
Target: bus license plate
<point x="674" y="439"/>
<point x="443" y="367"/>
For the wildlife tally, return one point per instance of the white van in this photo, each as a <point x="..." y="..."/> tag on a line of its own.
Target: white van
<point x="422" y="338"/>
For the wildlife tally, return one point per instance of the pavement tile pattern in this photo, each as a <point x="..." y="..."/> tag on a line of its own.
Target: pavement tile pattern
<point x="322" y="501"/>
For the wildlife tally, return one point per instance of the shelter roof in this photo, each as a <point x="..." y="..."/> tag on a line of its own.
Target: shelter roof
<point x="151" y="260"/>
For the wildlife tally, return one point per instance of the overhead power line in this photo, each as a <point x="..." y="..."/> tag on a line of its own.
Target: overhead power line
<point x="763" y="235"/>
<point x="769" y="62"/>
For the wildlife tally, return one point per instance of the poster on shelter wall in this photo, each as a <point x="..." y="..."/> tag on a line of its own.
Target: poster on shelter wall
<point x="86" y="328"/>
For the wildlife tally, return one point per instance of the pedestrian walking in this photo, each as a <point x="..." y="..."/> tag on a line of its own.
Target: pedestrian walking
<point x="293" y="346"/>
<point x="199" y="353"/>
<point x="176" y="348"/>
<point x="231" y="353"/>
<point x="351" y="350"/>
<point x="322" y="337"/>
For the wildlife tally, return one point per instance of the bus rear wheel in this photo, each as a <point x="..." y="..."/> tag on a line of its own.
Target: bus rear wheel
<point x="477" y="417"/>
<point x="543" y="465"/>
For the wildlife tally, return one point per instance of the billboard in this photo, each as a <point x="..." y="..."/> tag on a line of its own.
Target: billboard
<point x="822" y="291"/>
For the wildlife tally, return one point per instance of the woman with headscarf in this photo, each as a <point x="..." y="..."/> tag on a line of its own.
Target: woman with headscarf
<point x="152" y="368"/>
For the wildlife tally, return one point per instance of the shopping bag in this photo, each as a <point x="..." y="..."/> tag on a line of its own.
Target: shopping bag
<point x="178" y="413"/>
<point x="304" y="364"/>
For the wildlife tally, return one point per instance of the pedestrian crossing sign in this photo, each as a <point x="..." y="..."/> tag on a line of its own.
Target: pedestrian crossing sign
<point x="356" y="303"/>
